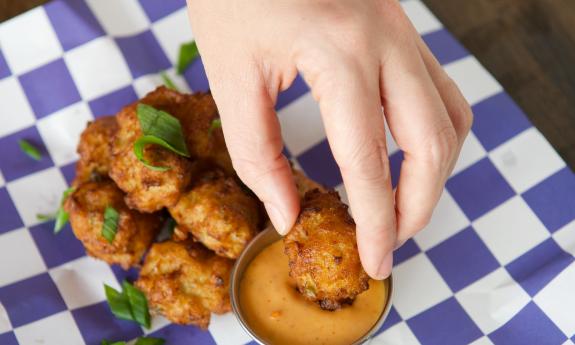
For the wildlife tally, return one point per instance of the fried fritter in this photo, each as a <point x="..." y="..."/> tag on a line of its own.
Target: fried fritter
<point x="304" y="184"/>
<point x="95" y="149"/>
<point x="185" y="282"/>
<point x="322" y="252"/>
<point x="135" y="231"/>
<point x="218" y="212"/>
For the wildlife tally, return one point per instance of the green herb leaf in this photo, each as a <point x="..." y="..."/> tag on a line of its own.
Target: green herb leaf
<point x="30" y="149"/>
<point x="45" y="217"/>
<point x="168" y="82"/>
<point x="106" y="342"/>
<point x="188" y="53"/>
<point x="110" y="225"/>
<point x="119" y="303"/>
<point x="141" y="143"/>
<point x="150" y="341"/>
<point x="61" y="215"/>
<point x="138" y="303"/>
<point x="216" y="123"/>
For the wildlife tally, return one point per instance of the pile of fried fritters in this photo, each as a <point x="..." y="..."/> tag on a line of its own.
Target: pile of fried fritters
<point x="186" y="277"/>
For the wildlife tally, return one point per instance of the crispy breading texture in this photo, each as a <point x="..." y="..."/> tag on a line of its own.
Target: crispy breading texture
<point x="185" y="282"/>
<point x="95" y="149"/>
<point x="304" y="184"/>
<point x="135" y="231"/>
<point x="218" y="212"/>
<point x="322" y="251"/>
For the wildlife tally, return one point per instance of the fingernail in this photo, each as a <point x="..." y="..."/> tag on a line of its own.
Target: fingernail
<point x="384" y="269"/>
<point x="277" y="218"/>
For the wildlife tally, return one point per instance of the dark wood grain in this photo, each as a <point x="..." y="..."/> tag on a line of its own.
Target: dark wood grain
<point x="528" y="45"/>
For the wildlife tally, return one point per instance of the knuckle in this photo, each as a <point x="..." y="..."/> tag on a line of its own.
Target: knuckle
<point x="443" y="145"/>
<point x="366" y="162"/>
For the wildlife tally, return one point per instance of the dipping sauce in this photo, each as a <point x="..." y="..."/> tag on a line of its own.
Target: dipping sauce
<point x="279" y="315"/>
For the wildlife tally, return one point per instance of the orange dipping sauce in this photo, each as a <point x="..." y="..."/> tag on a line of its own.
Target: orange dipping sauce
<point x="279" y="315"/>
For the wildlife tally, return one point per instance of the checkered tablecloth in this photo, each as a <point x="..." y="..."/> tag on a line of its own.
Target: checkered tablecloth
<point x="494" y="266"/>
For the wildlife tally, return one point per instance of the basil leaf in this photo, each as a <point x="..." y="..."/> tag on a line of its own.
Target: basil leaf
<point x="150" y="341"/>
<point x="110" y="225"/>
<point x="168" y="82"/>
<point x="216" y="123"/>
<point x="188" y="53"/>
<point x="138" y="304"/>
<point x="30" y="149"/>
<point x="119" y="303"/>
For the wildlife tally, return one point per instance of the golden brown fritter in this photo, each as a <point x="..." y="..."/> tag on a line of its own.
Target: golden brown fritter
<point x="304" y="184"/>
<point x="185" y="282"/>
<point x="218" y="212"/>
<point x="95" y="149"/>
<point x="135" y="231"/>
<point x="322" y="252"/>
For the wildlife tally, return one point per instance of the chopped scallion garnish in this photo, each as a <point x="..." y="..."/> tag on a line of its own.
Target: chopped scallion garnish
<point x="110" y="225"/>
<point x="30" y="150"/>
<point x="216" y="123"/>
<point x="130" y="304"/>
<point x="61" y="216"/>
<point x="150" y="341"/>
<point x="107" y="342"/>
<point x="168" y="82"/>
<point x="188" y="53"/>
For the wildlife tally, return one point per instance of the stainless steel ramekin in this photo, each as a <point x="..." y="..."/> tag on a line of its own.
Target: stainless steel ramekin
<point x="264" y="239"/>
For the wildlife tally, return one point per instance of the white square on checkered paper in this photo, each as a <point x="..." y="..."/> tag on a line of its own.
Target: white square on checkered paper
<point x="58" y="329"/>
<point x="399" y="334"/>
<point x="418" y="286"/>
<point x="421" y="17"/>
<point x="81" y="282"/>
<point x="493" y="300"/>
<point x="36" y="193"/>
<point x="301" y="124"/>
<point x="565" y="237"/>
<point x="510" y="230"/>
<point x="171" y="31"/>
<point x="473" y="80"/>
<point x="149" y="82"/>
<point x="14" y="105"/>
<point x="557" y="300"/>
<point x="19" y="246"/>
<point x="98" y="68"/>
<point x="29" y="41"/>
<point x="447" y="220"/>
<point x="471" y="152"/>
<point x="61" y="131"/>
<point x="225" y="329"/>
<point x="526" y="160"/>
<point x="482" y="341"/>
<point x="5" y="324"/>
<point x="120" y="18"/>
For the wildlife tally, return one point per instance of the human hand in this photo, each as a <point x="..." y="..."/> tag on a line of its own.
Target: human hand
<point x="356" y="56"/>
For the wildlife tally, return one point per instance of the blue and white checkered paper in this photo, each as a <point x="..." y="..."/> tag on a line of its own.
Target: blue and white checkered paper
<point x="495" y="266"/>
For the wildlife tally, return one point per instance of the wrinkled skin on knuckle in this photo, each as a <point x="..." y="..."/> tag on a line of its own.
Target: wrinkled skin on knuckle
<point x="366" y="162"/>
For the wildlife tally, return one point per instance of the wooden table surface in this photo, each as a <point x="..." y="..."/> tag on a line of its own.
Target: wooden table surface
<point x="528" y="45"/>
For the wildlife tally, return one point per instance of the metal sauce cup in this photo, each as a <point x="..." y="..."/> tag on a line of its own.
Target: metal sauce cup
<point x="261" y="241"/>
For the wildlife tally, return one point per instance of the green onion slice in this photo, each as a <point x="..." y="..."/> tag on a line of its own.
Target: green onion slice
<point x="61" y="215"/>
<point x="138" y="303"/>
<point x="107" y="342"/>
<point x="188" y="53"/>
<point x="216" y="123"/>
<point x="119" y="303"/>
<point x="141" y="143"/>
<point x="45" y="217"/>
<point x="168" y="82"/>
<point x="150" y="341"/>
<point x="110" y="225"/>
<point x="30" y="150"/>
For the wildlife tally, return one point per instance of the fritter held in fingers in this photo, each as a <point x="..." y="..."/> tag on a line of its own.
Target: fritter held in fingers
<point x="185" y="282"/>
<point x="135" y="231"/>
<point x="95" y="149"/>
<point x="304" y="184"/>
<point x="322" y="252"/>
<point x="218" y="212"/>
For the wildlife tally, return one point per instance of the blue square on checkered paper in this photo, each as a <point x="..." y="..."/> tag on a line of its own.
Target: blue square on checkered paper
<point x="297" y="89"/>
<point x="4" y="69"/>
<point x="553" y="200"/>
<point x="96" y="322"/>
<point x="69" y="172"/>
<point x="406" y="251"/>
<point x="319" y="165"/>
<point x="159" y="9"/>
<point x="444" y="324"/>
<point x="10" y="218"/>
<point x="113" y="102"/>
<point x="31" y="299"/>
<point x="56" y="249"/>
<point x="15" y="163"/>
<point x="73" y="22"/>
<point x="392" y="319"/>
<point x="498" y="119"/>
<point x="195" y="76"/>
<point x="536" y="268"/>
<point x="444" y="46"/>
<point x="462" y="259"/>
<point x="529" y="326"/>
<point x="479" y="189"/>
<point x="183" y="335"/>
<point x="143" y="54"/>
<point x="49" y="88"/>
<point x="395" y="161"/>
<point x="121" y="274"/>
<point x="8" y="338"/>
